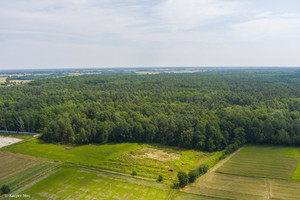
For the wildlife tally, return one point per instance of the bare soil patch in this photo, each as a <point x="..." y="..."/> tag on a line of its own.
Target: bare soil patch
<point x="155" y="154"/>
<point x="5" y="141"/>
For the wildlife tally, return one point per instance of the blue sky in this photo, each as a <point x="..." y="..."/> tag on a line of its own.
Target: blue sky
<point x="140" y="33"/>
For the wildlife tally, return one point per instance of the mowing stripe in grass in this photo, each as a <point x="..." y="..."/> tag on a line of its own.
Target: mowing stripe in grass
<point x="272" y="150"/>
<point x="259" y="165"/>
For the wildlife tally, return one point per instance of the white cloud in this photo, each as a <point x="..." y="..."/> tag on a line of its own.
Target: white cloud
<point x="268" y="26"/>
<point x="145" y="33"/>
<point x="189" y="14"/>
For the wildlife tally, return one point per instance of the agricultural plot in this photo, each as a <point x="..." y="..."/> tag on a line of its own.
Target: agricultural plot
<point x="12" y="163"/>
<point x="244" y="188"/>
<point x="2" y="79"/>
<point x="263" y="161"/>
<point x="146" y="160"/>
<point x="241" y="176"/>
<point x="28" y="176"/>
<point x="272" y="150"/>
<point x="73" y="183"/>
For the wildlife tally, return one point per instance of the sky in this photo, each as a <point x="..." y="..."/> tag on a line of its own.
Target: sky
<point x="148" y="33"/>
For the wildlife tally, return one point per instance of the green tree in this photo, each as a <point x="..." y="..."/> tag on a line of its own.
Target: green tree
<point x="183" y="179"/>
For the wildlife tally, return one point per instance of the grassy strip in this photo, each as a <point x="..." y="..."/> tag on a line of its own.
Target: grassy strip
<point x="296" y="176"/>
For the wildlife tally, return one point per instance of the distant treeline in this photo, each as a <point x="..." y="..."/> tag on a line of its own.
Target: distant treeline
<point x="205" y="111"/>
<point x="35" y="77"/>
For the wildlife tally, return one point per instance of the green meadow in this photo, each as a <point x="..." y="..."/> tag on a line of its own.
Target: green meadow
<point x="82" y="154"/>
<point x="146" y="160"/>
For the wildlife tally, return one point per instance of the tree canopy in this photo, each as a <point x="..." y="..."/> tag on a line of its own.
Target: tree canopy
<point x="205" y="111"/>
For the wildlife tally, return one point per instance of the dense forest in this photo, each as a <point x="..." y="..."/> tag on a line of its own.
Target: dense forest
<point x="205" y="110"/>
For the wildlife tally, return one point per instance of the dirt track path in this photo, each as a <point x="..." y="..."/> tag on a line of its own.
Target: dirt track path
<point x="210" y="172"/>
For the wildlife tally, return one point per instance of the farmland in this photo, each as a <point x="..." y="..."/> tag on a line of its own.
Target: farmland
<point x="75" y="183"/>
<point x="29" y="176"/>
<point x="2" y="79"/>
<point x="265" y="161"/>
<point x="12" y="163"/>
<point x="147" y="160"/>
<point x="255" y="172"/>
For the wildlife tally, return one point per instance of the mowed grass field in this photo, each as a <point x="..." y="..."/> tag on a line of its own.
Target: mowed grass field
<point x="263" y="161"/>
<point x="245" y="188"/>
<point x="254" y="173"/>
<point x="28" y="176"/>
<point x="11" y="163"/>
<point x="74" y="183"/>
<point x="146" y="160"/>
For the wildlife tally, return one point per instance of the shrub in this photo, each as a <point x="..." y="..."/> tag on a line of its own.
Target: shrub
<point x="183" y="179"/>
<point x="5" y="189"/>
<point x="160" y="178"/>
<point x="133" y="173"/>
<point x="203" y="169"/>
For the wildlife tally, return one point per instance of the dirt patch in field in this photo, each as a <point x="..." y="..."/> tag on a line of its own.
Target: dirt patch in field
<point x="155" y="154"/>
<point x="5" y="141"/>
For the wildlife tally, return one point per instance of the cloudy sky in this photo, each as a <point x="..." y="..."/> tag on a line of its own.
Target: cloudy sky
<point x="139" y="33"/>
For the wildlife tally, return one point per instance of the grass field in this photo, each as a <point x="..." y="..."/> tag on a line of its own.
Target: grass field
<point x="28" y="176"/>
<point x="146" y="160"/>
<point x="155" y="160"/>
<point x="263" y="161"/>
<point x="85" y="154"/>
<point x="2" y="79"/>
<point x="272" y="150"/>
<point x="241" y="176"/>
<point x="73" y="183"/>
<point x="245" y="188"/>
<point x="11" y="163"/>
